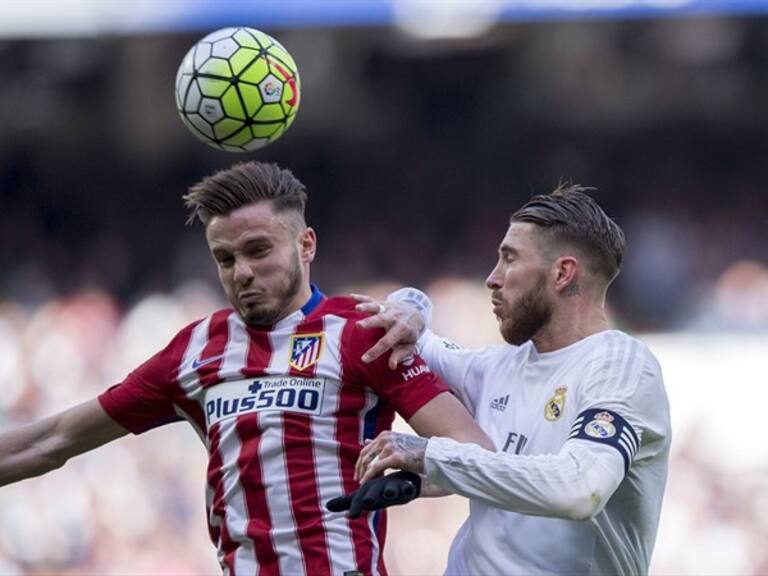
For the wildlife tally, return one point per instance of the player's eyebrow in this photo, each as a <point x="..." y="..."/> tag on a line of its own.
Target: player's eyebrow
<point x="507" y="249"/>
<point x="257" y="241"/>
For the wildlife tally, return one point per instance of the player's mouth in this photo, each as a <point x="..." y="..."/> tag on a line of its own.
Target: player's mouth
<point x="249" y="298"/>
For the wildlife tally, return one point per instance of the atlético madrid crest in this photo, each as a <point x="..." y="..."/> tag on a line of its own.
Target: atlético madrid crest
<point x="305" y="350"/>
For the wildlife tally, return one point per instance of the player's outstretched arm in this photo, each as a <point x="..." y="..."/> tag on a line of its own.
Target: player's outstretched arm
<point x="38" y="448"/>
<point x="574" y="483"/>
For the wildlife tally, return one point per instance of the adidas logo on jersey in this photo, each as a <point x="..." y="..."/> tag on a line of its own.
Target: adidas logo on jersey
<point x="500" y="403"/>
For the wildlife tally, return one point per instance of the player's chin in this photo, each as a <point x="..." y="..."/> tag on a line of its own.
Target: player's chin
<point x="254" y="315"/>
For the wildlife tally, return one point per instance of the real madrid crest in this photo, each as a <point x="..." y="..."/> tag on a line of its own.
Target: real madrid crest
<point x="555" y="406"/>
<point x="601" y="427"/>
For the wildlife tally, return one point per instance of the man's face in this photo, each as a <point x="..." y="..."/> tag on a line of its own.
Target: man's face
<point x="518" y="285"/>
<point x="263" y="260"/>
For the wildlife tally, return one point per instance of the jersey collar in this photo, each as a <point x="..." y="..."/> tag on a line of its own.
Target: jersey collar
<point x="314" y="300"/>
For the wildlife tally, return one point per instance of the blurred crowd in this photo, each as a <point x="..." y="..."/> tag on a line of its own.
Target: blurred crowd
<point x="136" y="506"/>
<point x="414" y="153"/>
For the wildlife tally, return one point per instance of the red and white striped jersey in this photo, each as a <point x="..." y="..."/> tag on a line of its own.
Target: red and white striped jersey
<point x="283" y="414"/>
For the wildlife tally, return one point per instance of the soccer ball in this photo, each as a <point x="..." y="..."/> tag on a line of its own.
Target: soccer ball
<point x="238" y="89"/>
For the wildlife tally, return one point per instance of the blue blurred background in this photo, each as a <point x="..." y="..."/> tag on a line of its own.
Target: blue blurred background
<point x="423" y="125"/>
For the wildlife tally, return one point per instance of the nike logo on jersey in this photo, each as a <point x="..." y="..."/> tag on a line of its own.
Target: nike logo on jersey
<point x="197" y="363"/>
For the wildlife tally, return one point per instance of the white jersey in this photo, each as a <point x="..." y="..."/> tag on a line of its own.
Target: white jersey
<point x="583" y="437"/>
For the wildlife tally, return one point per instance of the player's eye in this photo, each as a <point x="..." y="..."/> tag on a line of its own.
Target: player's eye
<point x="258" y="251"/>
<point x="225" y="261"/>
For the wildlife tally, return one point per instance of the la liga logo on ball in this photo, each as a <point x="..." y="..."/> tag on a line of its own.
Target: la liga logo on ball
<point x="238" y="89"/>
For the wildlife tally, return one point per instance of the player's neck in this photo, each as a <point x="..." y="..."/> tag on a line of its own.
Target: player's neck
<point x="301" y="298"/>
<point x="568" y="326"/>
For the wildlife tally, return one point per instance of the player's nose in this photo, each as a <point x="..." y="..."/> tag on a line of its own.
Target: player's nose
<point x="243" y="273"/>
<point x="493" y="281"/>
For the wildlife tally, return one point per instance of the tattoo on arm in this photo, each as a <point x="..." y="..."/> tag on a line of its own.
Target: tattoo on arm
<point x="413" y="449"/>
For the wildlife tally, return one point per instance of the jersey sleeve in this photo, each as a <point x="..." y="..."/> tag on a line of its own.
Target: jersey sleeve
<point x="144" y="400"/>
<point x="460" y="368"/>
<point x="406" y="389"/>
<point x="574" y="483"/>
<point x="622" y="402"/>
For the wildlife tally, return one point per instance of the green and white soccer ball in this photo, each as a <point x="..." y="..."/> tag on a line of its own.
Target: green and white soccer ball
<point x="238" y="89"/>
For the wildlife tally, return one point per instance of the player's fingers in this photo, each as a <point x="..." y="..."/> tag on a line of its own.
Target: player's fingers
<point x="385" y="343"/>
<point x="369" y="308"/>
<point x="366" y="456"/>
<point x="339" y="504"/>
<point x="356" y="505"/>
<point x="372" y="495"/>
<point x="360" y="495"/>
<point x="378" y="466"/>
<point x="391" y="490"/>
<point x="378" y="320"/>
<point x="408" y="490"/>
<point x="400" y="353"/>
<point x="361" y="297"/>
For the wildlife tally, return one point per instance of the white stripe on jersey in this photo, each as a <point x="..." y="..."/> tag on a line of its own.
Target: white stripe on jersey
<point x="236" y="351"/>
<point x="187" y="374"/>
<point x="339" y="542"/>
<point x="275" y="469"/>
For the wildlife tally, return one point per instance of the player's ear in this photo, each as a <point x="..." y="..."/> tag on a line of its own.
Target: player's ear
<point x="565" y="271"/>
<point x="307" y="244"/>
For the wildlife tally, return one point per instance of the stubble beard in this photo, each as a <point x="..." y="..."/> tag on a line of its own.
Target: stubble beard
<point x="266" y="315"/>
<point x="529" y="314"/>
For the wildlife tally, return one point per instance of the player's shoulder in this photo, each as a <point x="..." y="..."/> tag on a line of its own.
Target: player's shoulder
<point x="343" y="306"/>
<point x="616" y="356"/>
<point x="619" y="344"/>
<point x="214" y="323"/>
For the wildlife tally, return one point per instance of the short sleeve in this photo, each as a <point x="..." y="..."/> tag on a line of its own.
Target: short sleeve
<point x="622" y="402"/>
<point x="144" y="400"/>
<point x="406" y="389"/>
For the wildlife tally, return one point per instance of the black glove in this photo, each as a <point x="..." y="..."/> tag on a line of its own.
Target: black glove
<point x="381" y="492"/>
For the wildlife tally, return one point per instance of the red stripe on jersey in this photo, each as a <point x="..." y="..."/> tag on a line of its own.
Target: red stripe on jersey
<point x="218" y="334"/>
<point x="259" y="523"/>
<point x="351" y="403"/>
<point x="302" y="477"/>
<point x="227" y="546"/>
<point x="302" y="482"/>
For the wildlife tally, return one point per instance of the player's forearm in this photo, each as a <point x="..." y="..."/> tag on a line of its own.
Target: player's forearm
<point x="29" y="451"/>
<point x="573" y="484"/>
<point x="432" y="490"/>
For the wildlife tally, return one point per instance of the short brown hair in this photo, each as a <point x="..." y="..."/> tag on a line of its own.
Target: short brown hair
<point x="243" y="184"/>
<point x="568" y="215"/>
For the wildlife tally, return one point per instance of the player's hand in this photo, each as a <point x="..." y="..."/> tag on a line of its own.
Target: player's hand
<point x="402" y="324"/>
<point x="390" y="450"/>
<point x="377" y="493"/>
